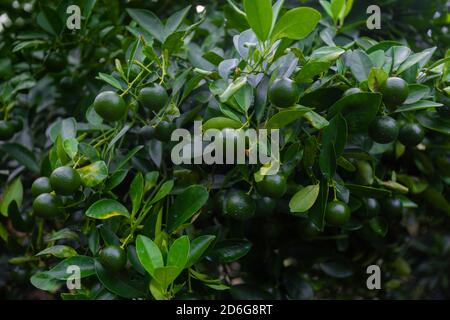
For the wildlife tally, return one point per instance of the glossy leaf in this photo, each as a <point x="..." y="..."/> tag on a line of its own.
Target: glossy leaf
<point x="107" y="208"/>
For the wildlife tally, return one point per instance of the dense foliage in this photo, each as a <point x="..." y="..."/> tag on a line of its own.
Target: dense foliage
<point x="87" y="180"/>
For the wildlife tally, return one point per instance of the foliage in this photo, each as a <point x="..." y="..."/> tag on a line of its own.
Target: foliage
<point x="218" y="65"/>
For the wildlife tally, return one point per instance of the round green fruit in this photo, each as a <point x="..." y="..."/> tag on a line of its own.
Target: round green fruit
<point x="65" y="180"/>
<point x="55" y="62"/>
<point x="110" y="106"/>
<point x="17" y="124"/>
<point x="273" y="186"/>
<point x="383" y="130"/>
<point x="395" y="91"/>
<point x="239" y="205"/>
<point x="41" y="185"/>
<point x="6" y="130"/>
<point x="154" y="98"/>
<point x="46" y="205"/>
<point x="163" y="130"/>
<point x="393" y="206"/>
<point x="284" y="93"/>
<point x="372" y="208"/>
<point x="113" y="258"/>
<point x="337" y="213"/>
<point x="309" y="230"/>
<point x="411" y="134"/>
<point x="265" y="206"/>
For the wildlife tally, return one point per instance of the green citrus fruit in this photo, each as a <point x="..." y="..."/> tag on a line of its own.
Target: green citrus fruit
<point x="6" y="130"/>
<point x="265" y="206"/>
<point x="372" y="208"/>
<point x="351" y="91"/>
<point x="110" y="106"/>
<point x="65" y="180"/>
<point x="411" y="134"/>
<point x="337" y="213"/>
<point x="41" y="185"/>
<point x="55" y="62"/>
<point x="395" y="91"/>
<point x="239" y="205"/>
<point x="46" y="205"/>
<point x="284" y="93"/>
<point x="113" y="258"/>
<point x="163" y="130"/>
<point x="17" y="124"/>
<point x="67" y="84"/>
<point x="309" y="230"/>
<point x="273" y="186"/>
<point x="155" y="98"/>
<point x="393" y="206"/>
<point x="383" y="130"/>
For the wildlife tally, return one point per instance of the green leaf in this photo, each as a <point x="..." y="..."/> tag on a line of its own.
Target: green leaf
<point x="304" y="199"/>
<point x="432" y="121"/>
<point x="70" y="146"/>
<point x="137" y="192"/>
<point x="296" y="24"/>
<point x="59" y="251"/>
<point x="116" y="284"/>
<point x="93" y="174"/>
<point x="14" y="192"/>
<point x="365" y="191"/>
<point x="175" y="20"/>
<point x="327" y="160"/>
<point x="21" y="155"/>
<point x="379" y="225"/>
<point x="166" y="275"/>
<point x="310" y="70"/>
<point x="259" y="16"/>
<point x="336" y="133"/>
<point x="358" y="109"/>
<point x="179" y="253"/>
<point x="44" y="281"/>
<point x="221" y="123"/>
<point x="286" y="116"/>
<point x="417" y="92"/>
<point x="360" y="64"/>
<point x="326" y="54"/>
<point x="149" y="22"/>
<point x="316" y="120"/>
<point x="337" y="268"/>
<point x="127" y="158"/>
<point x="163" y="191"/>
<point x="230" y="250"/>
<point x="419" y="105"/>
<point x="198" y="247"/>
<point x="185" y="205"/>
<point x="110" y="80"/>
<point x="85" y="263"/>
<point x="422" y="58"/>
<point x="317" y="212"/>
<point x="66" y="128"/>
<point x="376" y="78"/>
<point x="107" y="208"/>
<point x="149" y="254"/>
<point x="337" y="9"/>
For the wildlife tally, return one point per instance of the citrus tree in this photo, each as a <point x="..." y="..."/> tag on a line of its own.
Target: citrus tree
<point x="93" y="206"/>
